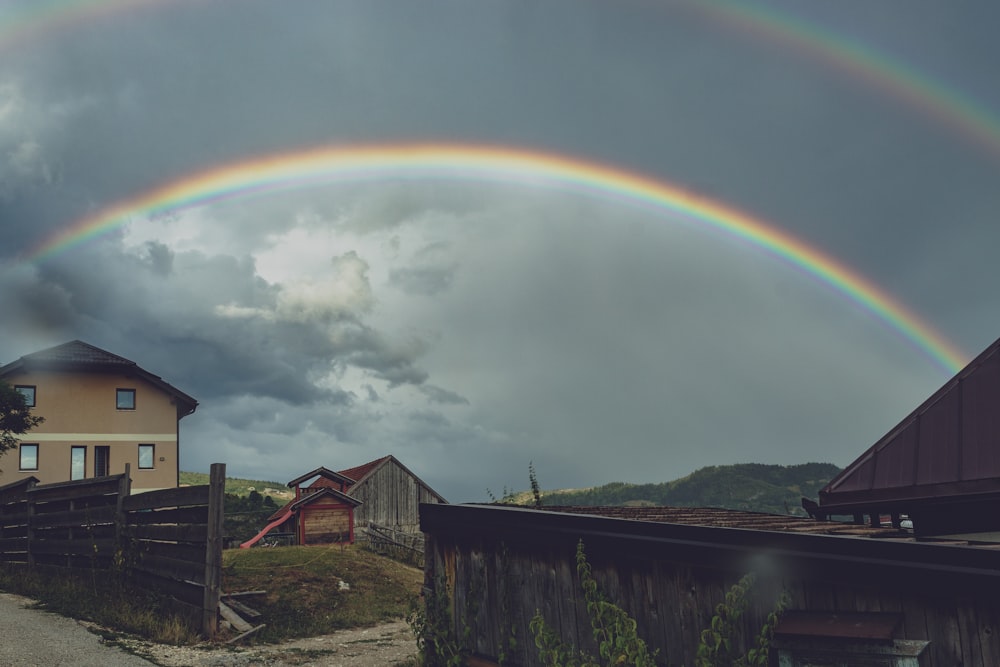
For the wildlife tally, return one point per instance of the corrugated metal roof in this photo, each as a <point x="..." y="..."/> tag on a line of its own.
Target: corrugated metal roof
<point x="725" y="518"/>
<point x="946" y="448"/>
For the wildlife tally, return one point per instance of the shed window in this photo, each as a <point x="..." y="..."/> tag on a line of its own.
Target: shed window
<point x="29" y="457"/>
<point x="125" y="399"/>
<point x="146" y="456"/>
<point x="28" y="391"/>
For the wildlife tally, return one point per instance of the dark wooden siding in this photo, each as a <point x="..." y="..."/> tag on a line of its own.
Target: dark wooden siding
<point x="391" y="497"/>
<point x="496" y="574"/>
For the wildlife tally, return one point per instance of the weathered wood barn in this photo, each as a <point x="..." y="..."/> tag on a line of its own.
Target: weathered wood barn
<point x="383" y="493"/>
<point x="874" y="592"/>
<point x="390" y="494"/>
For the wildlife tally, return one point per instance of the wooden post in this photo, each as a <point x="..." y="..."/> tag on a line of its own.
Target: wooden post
<point x="31" y="522"/>
<point x="213" y="550"/>
<point x="124" y="489"/>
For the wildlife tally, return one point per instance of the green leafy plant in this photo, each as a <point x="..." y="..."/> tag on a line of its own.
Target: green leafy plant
<point x="16" y="417"/>
<point x="614" y="630"/>
<point x="715" y="648"/>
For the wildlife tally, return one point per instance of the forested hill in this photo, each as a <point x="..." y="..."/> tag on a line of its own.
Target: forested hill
<point x="745" y="486"/>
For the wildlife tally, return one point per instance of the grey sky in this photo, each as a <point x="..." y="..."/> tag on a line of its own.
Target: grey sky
<point x="471" y="328"/>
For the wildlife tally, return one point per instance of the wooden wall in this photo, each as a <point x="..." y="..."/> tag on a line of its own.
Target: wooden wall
<point x="326" y="524"/>
<point x="495" y="587"/>
<point x="391" y="497"/>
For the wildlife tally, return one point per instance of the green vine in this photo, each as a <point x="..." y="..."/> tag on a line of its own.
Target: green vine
<point x="618" y="641"/>
<point x="433" y="626"/>
<point x="613" y="629"/>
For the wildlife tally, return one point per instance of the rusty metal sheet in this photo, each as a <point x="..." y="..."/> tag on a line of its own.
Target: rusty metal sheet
<point x="867" y="626"/>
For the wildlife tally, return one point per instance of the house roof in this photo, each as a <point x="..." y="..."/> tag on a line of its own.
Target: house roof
<point x="945" y="450"/>
<point x="83" y="357"/>
<point x="362" y="472"/>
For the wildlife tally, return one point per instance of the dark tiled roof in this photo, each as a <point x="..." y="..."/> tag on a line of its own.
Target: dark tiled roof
<point x="77" y="352"/>
<point x="79" y="356"/>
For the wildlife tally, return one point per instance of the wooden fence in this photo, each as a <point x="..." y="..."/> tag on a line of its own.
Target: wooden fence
<point x="403" y="546"/>
<point x="169" y="540"/>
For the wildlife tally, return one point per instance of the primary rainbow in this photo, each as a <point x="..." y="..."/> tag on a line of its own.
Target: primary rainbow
<point x="367" y="163"/>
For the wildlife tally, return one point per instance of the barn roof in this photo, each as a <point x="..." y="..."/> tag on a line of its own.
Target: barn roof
<point x="84" y="357"/>
<point x="943" y="451"/>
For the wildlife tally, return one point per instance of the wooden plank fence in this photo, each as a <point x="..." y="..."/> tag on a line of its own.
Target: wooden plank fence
<point x="169" y="540"/>
<point x="395" y="543"/>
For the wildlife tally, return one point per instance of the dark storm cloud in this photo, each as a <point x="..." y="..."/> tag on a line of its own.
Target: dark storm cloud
<point x="474" y="327"/>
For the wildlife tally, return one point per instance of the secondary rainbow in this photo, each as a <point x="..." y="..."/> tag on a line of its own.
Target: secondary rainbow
<point x="379" y="163"/>
<point x="948" y="106"/>
<point x="27" y="23"/>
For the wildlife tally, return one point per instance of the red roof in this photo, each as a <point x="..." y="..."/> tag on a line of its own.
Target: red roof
<point x="358" y="473"/>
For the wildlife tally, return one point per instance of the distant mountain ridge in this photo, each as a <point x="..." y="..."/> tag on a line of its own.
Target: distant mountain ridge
<point x="754" y="487"/>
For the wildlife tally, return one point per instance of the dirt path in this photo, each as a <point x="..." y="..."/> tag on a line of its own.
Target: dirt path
<point x="381" y="646"/>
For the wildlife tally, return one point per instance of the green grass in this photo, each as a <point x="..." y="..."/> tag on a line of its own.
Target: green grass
<point x="96" y="599"/>
<point x="303" y="597"/>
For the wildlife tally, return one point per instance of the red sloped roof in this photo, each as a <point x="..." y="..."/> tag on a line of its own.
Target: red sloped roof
<point x="357" y="473"/>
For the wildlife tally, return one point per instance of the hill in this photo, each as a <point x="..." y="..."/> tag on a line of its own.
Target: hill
<point x="241" y="487"/>
<point x="745" y="486"/>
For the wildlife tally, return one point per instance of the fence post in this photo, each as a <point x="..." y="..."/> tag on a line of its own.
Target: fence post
<point x="213" y="550"/>
<point x="31" y="522"/>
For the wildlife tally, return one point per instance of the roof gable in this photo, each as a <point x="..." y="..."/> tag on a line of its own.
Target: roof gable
<point x="325" y="492"/>
<point x="324" y="474"/>
<point x="946" y="448"/>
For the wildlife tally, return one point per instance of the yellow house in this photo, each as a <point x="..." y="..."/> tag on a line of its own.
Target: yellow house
<point x="101" y="412"/>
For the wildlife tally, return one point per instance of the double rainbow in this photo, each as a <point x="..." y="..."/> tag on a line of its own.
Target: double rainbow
<point x="370" y="163"/>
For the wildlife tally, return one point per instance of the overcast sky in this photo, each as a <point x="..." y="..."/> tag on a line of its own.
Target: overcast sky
<point x="470" y="328"/>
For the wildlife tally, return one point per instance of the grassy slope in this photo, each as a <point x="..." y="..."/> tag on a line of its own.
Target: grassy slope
<point x="303" y="596"/>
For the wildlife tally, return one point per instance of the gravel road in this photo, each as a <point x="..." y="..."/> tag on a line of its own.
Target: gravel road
<point x="34" y="637"/>
<point x="31" y="637"/>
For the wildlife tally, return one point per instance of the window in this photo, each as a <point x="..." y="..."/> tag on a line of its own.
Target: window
<point x="146" y="456"/>
<point x="101" y="455"/>
<point x="28" y="391"/>
<point x="78" y="462"/>
<point x="125" y="399"/>
<point x="29" y="457"/>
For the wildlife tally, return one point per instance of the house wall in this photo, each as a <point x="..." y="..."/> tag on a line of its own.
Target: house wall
<point x="391" y="497"/>
<point x="79" y="409"/>
<point x="495" y="578"/>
